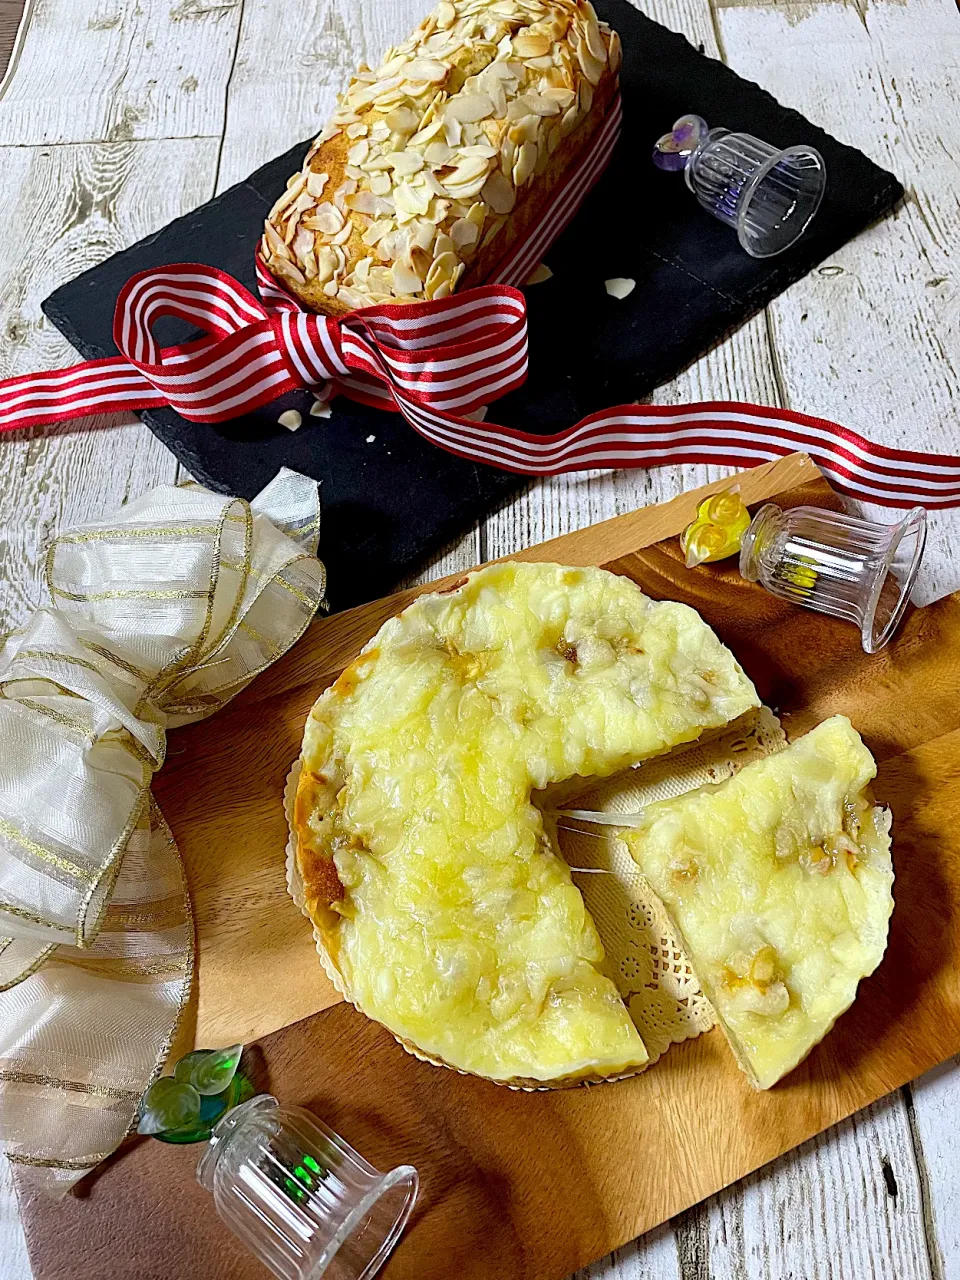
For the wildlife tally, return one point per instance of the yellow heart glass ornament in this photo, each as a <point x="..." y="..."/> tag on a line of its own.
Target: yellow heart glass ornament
<point x="717" y="530"/>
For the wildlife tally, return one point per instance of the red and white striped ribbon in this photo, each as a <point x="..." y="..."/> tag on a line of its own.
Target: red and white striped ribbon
<point x="436" y="363"/>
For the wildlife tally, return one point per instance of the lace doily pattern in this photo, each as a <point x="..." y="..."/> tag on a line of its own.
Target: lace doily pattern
<point x="644" y="956"/>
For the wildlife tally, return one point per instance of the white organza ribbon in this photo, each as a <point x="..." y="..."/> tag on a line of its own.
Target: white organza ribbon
<point x="158" y="617"/>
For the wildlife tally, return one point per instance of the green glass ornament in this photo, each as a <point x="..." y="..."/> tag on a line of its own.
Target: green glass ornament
<point x="212" y="1107"/>
<point x="168" y="1104"/>
<point x="209" y="1070"/>
<point x="204" y="1086"/>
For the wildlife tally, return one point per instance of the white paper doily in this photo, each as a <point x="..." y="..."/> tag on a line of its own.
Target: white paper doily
<point x="643" y="955"/>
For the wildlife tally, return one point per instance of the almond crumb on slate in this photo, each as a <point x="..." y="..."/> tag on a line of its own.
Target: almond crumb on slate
<point x="619" y="286"/>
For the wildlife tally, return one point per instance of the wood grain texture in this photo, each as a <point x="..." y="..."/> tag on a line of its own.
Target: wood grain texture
<point x="89" y="202"/>
<point x="869" y="338"/>
<point x="110" y="71"/>
<point x="619" y="1159"/>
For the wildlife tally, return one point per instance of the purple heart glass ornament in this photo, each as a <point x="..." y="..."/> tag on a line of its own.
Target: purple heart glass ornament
<point x="675" y="148"/>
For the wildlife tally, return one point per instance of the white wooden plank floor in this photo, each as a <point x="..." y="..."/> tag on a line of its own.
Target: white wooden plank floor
<point x="116" y="117"/>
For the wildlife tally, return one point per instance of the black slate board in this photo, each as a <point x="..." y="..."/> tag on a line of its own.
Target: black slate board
<point x="391" y="501"/>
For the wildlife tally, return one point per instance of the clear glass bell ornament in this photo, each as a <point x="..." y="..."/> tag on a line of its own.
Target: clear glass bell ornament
<point x="767" y="194"/>
<point x="299" y="1196"/>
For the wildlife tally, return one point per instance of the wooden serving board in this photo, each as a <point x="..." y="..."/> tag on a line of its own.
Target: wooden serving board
<point x="531" y="1186"/>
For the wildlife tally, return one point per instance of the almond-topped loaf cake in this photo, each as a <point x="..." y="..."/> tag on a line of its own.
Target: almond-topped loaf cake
<point x="440" y="906"/>
<point x="779" y="882"/>
<point x="438" y="161"/>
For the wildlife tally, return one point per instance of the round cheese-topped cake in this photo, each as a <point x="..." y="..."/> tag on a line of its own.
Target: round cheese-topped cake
<point x="441" y="908"/>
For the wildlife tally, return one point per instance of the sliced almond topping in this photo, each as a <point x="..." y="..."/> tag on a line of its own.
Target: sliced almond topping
<point x="562" y="97"/>
<point x="402" y="120"/>
<point x="452" y="131"/>
<point x="326" y="264"/>
<point x="425" y="69"/>
<point x="358" y="130"/>
<point x="406" y="163"/>
<point x="420" y="260"/>
<point x="376" y="231"/>
<point x="392" y="66"/>
<point x="539" y="105"/>
<point x="330" y="288"/>
<point x="445" y="14"/>
<point x="351" y="298"/>
<point x="380" y="184"/>
<point x="594" y="41"/>
<point x="290" y="419"/>
<point x="371" y="203"/>
<point x="493" y="229"/>
<point x="358" y="152"/>
<point x="438" y="210"/>
<point x="467" y="170"/>
<point x="380" y="131"/>
<point x="343" y="236"/>
<point x="433" y="183"/>
<point x="540" y="273"/>
<point x="616" y="52"/>
<point x="526" y="163"/>
<point x="286" y="270"/>
<point x="591" y="67"/>
<point x="302" y="244"/>
<point x="529" y="45"/>
<point x="422" y="235"/>
<point x="554" y="138"/>
<point x="441" y="273"/>
<point x="410" y="198"/>
<point x="508" y="154"/>
<point x="404" y="278"/>
<point x="541" y="64"/>
<point x="464" y="233"/>
<point x="326" y="218"/>
<point x="438" y="153"/>
<point x="294" y="187"/>
<point x="427" y="133"/>
<point x="468" y="108"/>
<point x="586" y="97"/>
<point x="315" y="184"/>
<point x="571" y="118"/>
<point x="477" y="213"/>
<point x="499" y="192"/>
<point x="274" y="242"/>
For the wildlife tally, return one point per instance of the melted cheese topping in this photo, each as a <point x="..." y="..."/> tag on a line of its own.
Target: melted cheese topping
<point x="779" y="881"/>
<point x="458" y="927"/>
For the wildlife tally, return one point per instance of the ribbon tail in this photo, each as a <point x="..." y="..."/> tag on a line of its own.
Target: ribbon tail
<point x="112" y="385"/>
<point x="726" y="434"/>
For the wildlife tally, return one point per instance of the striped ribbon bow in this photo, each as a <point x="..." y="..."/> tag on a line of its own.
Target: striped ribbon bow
<point x="437" y="363"/>
<point x="434" y="362"/>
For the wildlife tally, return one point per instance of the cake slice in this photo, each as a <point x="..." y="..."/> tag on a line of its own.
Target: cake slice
<point x="779" y="882"/>
<point x="441" y="907"/>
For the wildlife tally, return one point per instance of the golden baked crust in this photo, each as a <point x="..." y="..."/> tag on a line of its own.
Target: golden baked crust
<point x="428" y="183"/>
<point x="440" y="906"/>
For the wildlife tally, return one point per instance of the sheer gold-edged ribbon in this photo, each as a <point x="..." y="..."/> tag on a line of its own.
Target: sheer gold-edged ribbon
<point x="159" y="616"/>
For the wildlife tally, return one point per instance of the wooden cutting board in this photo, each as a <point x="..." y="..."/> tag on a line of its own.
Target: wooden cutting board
<point x="502" y="1170"/>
